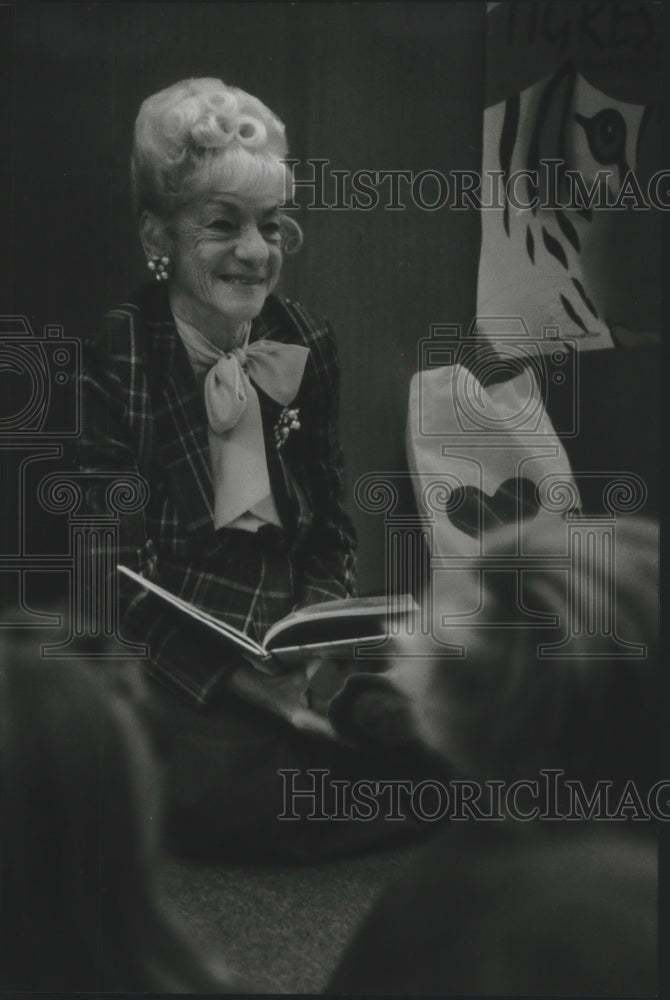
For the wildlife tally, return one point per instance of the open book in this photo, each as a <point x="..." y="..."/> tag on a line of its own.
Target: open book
<point x="268" y="675"/>
<point x="331" y="629"/>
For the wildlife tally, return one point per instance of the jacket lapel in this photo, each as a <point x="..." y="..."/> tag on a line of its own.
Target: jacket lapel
<point x="284" y="468"/>
<point x="181" y="422"/>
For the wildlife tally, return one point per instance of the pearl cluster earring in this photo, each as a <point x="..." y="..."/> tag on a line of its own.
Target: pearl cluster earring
<point x="159" y="265"/>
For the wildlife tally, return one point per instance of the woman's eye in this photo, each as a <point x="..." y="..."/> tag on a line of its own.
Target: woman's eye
<point x="270" y="229"/>
<point x="223" y="225"/>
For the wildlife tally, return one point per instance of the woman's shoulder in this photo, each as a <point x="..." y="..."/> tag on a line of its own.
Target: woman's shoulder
<point x="287" y="313"/>
<point x="290" y="321"/>
<point x="147" y="304"/>
<point x="126" y="324"/>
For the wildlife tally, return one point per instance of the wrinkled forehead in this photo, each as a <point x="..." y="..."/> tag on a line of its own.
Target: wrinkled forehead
<point x="249" y="177"/>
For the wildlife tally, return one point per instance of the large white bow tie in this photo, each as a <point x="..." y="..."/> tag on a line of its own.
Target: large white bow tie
<point x="276" y="368"/>
<point x="237" y="444"/>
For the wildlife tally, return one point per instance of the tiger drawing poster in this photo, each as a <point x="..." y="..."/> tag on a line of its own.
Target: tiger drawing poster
<point x="572" y="191"/>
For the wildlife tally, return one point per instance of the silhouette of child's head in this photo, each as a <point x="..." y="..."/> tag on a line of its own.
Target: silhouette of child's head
<point x="80" y="815"/>
<point x="508" y="705"/>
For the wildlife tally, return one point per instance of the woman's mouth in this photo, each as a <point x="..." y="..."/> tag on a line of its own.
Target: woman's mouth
<point x="242" y="279"/>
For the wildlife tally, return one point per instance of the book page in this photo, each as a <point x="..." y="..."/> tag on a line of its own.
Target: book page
<point x="352" y="618"/>
<point x="244" y="642"/>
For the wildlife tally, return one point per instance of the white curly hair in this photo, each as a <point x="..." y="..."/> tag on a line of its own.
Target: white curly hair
<point x="199" y="133"/>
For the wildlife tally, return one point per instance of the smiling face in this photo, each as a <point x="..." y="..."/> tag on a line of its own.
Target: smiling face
<point x="225" y="259"/>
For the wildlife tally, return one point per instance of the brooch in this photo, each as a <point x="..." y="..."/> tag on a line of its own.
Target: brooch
<point x="288" y="421"/>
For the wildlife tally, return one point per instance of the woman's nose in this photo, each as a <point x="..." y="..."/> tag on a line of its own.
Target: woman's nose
<point x="251" y="247"/>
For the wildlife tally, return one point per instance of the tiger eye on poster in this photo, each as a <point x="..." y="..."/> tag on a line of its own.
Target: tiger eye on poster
<point x="572" y="135"/>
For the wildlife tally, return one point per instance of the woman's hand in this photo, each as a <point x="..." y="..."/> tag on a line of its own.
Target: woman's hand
<point x="325" y="678"/>
<point x="285" y="695"/>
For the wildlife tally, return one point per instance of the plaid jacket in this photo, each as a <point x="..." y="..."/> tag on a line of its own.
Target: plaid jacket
<point x="144" y="413"/>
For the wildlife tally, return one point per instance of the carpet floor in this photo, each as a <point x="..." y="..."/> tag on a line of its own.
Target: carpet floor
<point x="284" y="929"/>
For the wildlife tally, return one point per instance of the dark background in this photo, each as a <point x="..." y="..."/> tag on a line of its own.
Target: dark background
<point x="376" y="86"/>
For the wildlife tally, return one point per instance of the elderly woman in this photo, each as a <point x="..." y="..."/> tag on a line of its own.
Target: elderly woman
<point x="224" y="397"/>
